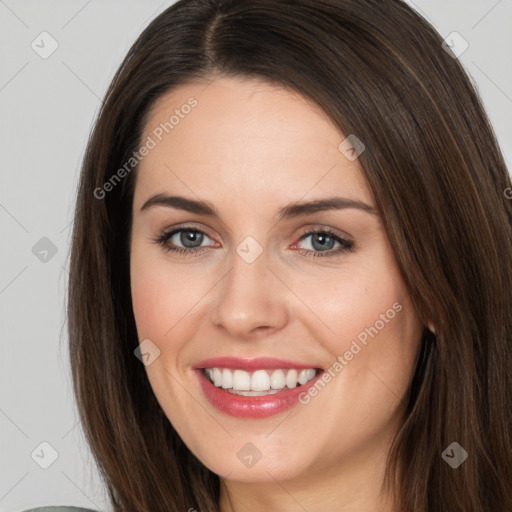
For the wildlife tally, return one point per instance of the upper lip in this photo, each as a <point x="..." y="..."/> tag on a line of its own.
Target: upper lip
<point x="258" y="363"/>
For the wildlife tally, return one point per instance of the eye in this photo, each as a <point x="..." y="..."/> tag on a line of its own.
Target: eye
<point x="322" y="243"/>
<point x="190" y="238"/>
<point x="187" y="240"/>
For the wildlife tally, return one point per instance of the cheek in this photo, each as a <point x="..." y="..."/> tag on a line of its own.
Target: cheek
<point x="374" y="333"/>
<point x="162" y="293"/>
<point x="356" y="300"/>
<point x="149" y="302"/>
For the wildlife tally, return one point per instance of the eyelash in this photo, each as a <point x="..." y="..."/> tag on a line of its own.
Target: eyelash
<point x="346" y="245"/>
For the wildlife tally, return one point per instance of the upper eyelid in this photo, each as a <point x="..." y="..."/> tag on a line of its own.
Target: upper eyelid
<point x="173" y="231"/>
<point x="308" y="231"/>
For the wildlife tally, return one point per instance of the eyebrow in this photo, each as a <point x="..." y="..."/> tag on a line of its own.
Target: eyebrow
<point x="287" y="212"/>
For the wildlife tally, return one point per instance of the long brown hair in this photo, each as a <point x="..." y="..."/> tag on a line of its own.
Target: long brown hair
<point x="379" y="71"/>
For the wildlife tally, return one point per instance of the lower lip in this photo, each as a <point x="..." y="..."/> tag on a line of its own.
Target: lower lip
<point x="252" y="406"/>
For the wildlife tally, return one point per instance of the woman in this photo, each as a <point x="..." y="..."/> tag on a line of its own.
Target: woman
<point x="291" y="273"/>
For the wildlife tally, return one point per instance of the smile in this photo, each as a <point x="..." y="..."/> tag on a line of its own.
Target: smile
<point x="259" y="382"/>
<point x="255" y="388"/>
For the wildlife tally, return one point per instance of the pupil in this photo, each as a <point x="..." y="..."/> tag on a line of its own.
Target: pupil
<point x="322" y="240"/>
<point x="189" y="237"/>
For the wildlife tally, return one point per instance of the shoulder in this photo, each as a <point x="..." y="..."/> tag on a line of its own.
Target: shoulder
<point x="59" y="509"/>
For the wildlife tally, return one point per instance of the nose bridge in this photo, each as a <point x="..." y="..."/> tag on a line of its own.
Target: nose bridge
<point x="249" y="297"/>
<point x="249" y="271"/>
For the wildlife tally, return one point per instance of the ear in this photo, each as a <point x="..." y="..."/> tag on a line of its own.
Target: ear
<point x="431" y="327"/>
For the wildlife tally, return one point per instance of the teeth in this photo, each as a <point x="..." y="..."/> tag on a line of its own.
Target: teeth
<point x="278" y="379"/>
<point x="253" y="393"/>
<point x="241" y="380"/>
<point x="306" y="375"/>
<point x="260" y="382"/>
<point x="217" y="377"/>
<point x="227" y="379"/>
<point x="291" y="378"/>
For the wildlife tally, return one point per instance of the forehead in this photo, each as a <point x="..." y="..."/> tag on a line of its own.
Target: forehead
<point x="248" y="137"/>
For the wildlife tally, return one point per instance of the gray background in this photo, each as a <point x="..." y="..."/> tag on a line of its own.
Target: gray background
<point x="47" y="107"/>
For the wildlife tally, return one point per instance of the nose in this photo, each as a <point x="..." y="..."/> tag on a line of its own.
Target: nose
<point x="251" y="300"/>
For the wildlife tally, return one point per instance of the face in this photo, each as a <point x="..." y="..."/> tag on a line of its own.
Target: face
<point x="298" y="315"/>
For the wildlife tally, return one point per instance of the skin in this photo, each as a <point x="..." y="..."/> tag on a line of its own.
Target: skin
<point x="250" y="148"/>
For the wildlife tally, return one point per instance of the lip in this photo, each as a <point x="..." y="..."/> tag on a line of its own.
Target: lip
<point x="255" y="407"/>
<point x="258" y="363"/>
